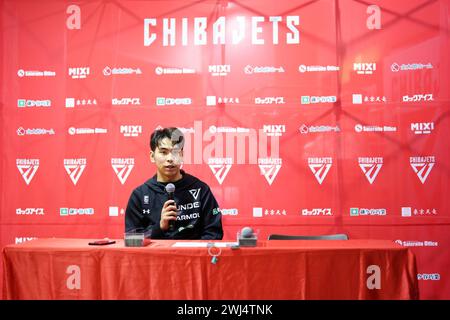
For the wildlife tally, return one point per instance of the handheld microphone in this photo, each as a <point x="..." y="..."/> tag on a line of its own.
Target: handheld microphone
<point x="170" y="189"/>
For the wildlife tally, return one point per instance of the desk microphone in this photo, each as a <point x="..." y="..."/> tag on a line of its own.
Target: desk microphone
<point x="170" y="189"/>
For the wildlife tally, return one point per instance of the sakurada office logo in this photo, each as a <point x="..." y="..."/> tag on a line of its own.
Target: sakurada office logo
<point x="320" y="167"/>
<point x="370" y="166"/>
<point x="27" y="168"/>
<point x="269" y="168"/>
<point x="122" y="167"/>
<point x="195" y="193"/>
<point x="75" y="168"/>
<point x="220" y="167"/>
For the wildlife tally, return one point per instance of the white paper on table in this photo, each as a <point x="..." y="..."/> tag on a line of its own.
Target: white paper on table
<point x="203" y="244"/>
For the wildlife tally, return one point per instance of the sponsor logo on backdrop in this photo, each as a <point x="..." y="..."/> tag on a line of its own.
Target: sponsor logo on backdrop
<point x="358" y="98"/>
<point x="163" y="101"/>
<point x="126" y="101"/>
<point x="415" y="243"/>
<point x="130" y="130"/>
<point x="364" y="67"/>
<point x="269" y="100"/>
<point x="214" y="129"/>
<point x="198" y="31"/>
<point x="274" y="130"/>
<point x="303" y="68"/>
<point x="214" y="100"/>
<point x="19" y="240"/>
<point x="173" y="70"/>
<point x="372" y="128"/>
<point x="122" y="167"/>
<point x="75" y="168"/>
<point x="27" y="168"/>
<point x="34" y="73"/>
<point x="73" y="131"/>
<point x="320" y="167"/>
<point x="76" y="211"/>
<point x="317" y="99"/>
<point x="107" y="71"/>
<point x="219" y="70"/>
<point x="429" y="276"/>
<point x="418" y="97"/>
<point x="260" y="212"/>
<point x="79" y="73"/>
<point x="27" y="103"/>
<point x="72" y="102"/>
<point x="230" y="212"/>
<point x="220" y="167"/>
<point x="354" y="212"/>
<point x="114" y="211"/>
<point x="410" y="211"/>
<point x="422" y="166"/>
<point x="30" y="211"/>
<point x="370" y="166"/>
<point x="248" y="69"/>
<point x="269" y="168"/>
<point x="422" y="127"/>
<point x="304" y="129"/>
<point x="35" y="131"/>
<point x="395" y="67"/>
<point x="317" y="212"/>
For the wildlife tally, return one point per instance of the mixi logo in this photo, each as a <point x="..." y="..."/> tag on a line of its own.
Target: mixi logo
<point x="75" y="168"/>
<point x="274" y="130"/>
<point x="79" y="73"/>
<point x="422" y="127"/>
<point x="269" y="167"/>
<point x="370" y="166"/>
<point x="27" y="168"/>
<point x="422" y="166"/>
<point x="220" y="70"/>
<point x="19" y="240"/>
<point x="130" y="130"/>
<point x="122" y="167"/>
<point x="320" y="167"/>
<point x="364" y="68"/>
<point x="220" y="167"/>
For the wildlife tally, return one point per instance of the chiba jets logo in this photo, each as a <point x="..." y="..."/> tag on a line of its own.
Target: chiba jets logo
<point x="422" y="166"/>
<point x="370" y="166"/>
<point x="269" y="168"/>
<point x="75" y="168"/>
<point x="27" y="168"/>
<point x="320" y="167"/>
<point x="220" y="167"/>
<point x="122" y="167"/>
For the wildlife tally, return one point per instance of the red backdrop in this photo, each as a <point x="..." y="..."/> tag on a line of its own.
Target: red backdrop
<point x="352" y="97"/>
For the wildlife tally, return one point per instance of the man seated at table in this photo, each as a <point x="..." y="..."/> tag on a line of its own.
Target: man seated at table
<point x="192" y="214"/>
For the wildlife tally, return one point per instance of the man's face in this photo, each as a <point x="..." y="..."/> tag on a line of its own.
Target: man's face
<point x="168" y="159"/>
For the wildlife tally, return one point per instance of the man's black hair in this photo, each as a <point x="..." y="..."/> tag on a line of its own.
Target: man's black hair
<point x="174" y="134"/>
